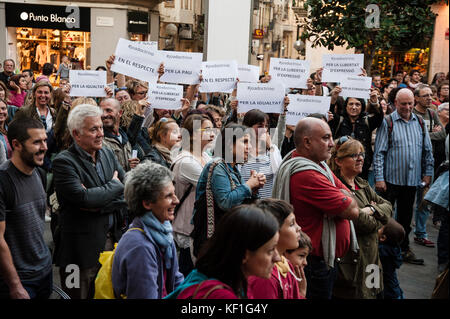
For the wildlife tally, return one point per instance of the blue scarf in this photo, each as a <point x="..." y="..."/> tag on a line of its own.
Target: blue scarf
<point x="162" y="234"/>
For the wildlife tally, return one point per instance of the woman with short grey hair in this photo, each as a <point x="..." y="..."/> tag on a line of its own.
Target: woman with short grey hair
<point x="145" y="263"/>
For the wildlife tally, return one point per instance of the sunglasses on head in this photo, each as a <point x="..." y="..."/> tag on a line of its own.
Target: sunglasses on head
<point x="123" y="88"/>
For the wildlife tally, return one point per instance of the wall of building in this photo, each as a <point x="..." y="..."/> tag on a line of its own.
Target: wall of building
<point x="104" y="38"/>
<point x="440" y="45"/>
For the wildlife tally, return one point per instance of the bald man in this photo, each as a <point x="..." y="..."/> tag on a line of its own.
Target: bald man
<point x="116" y="138"/>
<point x="323" y="206"/>
<point x="403" y="161"/>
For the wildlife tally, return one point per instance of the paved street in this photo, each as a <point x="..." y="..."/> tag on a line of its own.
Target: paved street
<point x="416" y="281"/>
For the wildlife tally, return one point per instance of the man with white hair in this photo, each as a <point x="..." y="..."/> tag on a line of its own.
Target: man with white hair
<point x="88" y="182"/>
<point x="403" y="161"/>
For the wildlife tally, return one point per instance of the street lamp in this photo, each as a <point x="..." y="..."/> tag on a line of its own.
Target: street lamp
<point x="299" y="45"/>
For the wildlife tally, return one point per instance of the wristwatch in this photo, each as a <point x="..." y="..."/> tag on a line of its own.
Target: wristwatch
<point x="372" y="209"/>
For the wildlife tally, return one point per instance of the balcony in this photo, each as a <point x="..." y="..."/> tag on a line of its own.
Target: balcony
<point x="298" y="7"/>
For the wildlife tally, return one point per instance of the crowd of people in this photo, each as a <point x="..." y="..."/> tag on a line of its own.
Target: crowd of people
<point x="205" y="202"/>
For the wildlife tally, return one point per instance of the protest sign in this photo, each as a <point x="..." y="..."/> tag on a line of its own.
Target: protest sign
<point x="292" y="73"/>
<point x="136" y="60"/>
<point x="165" y="96"/>
<point x="267" y="97"/>
<point x="87" y="83"/>
<point x="219" y="76"/>
<point x="181" y="67"/>
<point x="336" y="67"/>
<point x="248" y="73"/>
<point x="300" y="106"/>
<point x="152" y="44"/>
<point x="356" y="86"/>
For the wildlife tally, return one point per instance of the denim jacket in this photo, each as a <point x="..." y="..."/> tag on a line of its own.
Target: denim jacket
<point x="224" y="196"/>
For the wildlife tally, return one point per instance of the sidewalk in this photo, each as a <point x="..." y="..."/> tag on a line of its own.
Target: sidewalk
<point x="417" y="281"/>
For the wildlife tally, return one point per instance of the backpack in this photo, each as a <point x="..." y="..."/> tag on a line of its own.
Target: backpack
<point x="206" y="212"/>
<point x="103" y="282"/>
<point x="341" y="119"/>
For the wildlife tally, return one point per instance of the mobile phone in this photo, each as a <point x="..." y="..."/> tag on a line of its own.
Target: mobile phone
<point x="134" y="154"/>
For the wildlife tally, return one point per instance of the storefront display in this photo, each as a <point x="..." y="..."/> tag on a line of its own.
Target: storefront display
<point x="35" y="47"/>
<point x="389" y="62"/>
<point x="40" y="34"/>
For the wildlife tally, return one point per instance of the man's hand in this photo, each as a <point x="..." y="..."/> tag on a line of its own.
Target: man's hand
<point x="437" y="128"/>
<point x="133" y="162"/>
<point x="141" y="106"/>
<point x="116" y="176"/>
<point x="426" y="180"/>
<point x="110" y="61"/>
<point x="335" y="93"/>
<point x="380" y="186"/>
<point x="18" y="292"/>
<point x="109" y="92"/>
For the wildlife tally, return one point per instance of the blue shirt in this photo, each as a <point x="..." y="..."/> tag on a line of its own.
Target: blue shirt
<point x="224" y="196"/>
<point x="402" y="164"/>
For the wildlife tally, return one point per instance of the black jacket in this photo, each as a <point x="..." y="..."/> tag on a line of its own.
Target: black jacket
<point x="362" y="131"/>
<point x="155" y="156"/>
<point x="87" y="205"/>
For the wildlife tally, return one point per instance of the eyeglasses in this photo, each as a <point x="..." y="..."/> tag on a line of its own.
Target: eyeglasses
<point x="142" y="93"/>
<point x="207" y="130"/>
<point x="357" y="155"/>
<point x="426" y="95"/>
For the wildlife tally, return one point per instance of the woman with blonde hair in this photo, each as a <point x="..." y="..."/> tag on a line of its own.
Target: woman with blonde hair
<point x="346" y="163"/>
<point x="165" y="134"/>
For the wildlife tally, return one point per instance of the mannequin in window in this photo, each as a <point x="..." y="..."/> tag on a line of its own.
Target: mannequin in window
<point x="41" y="54"/>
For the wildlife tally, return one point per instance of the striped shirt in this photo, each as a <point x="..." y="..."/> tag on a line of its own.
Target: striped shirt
<point x="261" y="164"/>
<point x="401" y="164"/>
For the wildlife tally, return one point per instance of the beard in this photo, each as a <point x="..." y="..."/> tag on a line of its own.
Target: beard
<point x="109" y="126"/>
<point x="28" y="158"/>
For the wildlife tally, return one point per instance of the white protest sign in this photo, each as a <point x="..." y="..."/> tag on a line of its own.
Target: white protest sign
<point x="338" y="66"/>
<point x="292" y="73"/>
<point x="248" y="73"/>
<point x="219" y="76"/>
<point x="152" y="44"/>
<point x="136" y="60"/>
<point x="300" y="106"/>
<point x="267" y="97"/>
<point x="165" y="96"/>
<point x="356" y="86"/>
<point x="181" y="67"/>
<point x="87" y="83"/>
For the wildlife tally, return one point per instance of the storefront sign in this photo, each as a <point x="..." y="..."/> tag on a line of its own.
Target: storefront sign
<point x="87" y="83"/>
<point x="292" y="73"/>
<point x="356" y="86"/>
<point x="138" y="22"/>
<point x="165" y="96"/>
<point x="336" y="67"/>
<point x="181" y="67"/>
<point x="266" y="97"/>
<point x="71" y="17"/>
<point x="139" y="61"/>
<point x="300" y="106"/>
<point x="258" y="34"/>
<point x="219" y="76"/>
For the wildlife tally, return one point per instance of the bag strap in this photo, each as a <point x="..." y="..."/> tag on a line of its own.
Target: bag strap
<point x="208" y="292"/>
<point x="185" y="195"/>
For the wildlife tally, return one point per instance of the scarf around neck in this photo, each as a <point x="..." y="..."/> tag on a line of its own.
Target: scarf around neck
<point x="164" y="151"/>
<point x="161" y="234"/>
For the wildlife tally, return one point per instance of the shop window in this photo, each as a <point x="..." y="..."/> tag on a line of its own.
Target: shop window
<point x="35" y="47"/>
